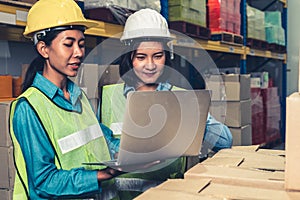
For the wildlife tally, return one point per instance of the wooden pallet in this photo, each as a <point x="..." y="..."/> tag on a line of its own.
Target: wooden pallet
<point x="277" y="48"/>
<point x="190" y="29"/>
<point x="257" y="44"/>
<point x="226" y="37"/>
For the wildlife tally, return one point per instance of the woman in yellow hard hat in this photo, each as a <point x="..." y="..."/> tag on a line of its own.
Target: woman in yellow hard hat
<point x="52" y="125"/>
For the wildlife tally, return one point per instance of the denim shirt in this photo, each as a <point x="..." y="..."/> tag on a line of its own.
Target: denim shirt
<point x="45" y="180"/>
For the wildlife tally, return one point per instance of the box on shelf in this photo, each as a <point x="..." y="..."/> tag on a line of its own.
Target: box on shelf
<point x="6" y="90"/>
<point x="255" y="82"/>
<point x="237" y="86"/>
<point x="6" y="194"/>
<point x="264" y="78"/>
<point x="232" y="113"/>
<point x="242" y="135"/>
<point x="218" y="110"/>
<point x="17" y="85"/>
<point x="7" y="172"/>
<point x="238" y="113"/>
<point x="216" y="85"/>
<point x="5" y="139"/>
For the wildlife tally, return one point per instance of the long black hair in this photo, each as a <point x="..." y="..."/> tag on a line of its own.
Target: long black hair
<point x="126" y="68"/>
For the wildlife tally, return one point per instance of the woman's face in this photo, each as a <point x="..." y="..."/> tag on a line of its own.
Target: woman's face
<point x="149" y="61"/>
<point x="65" y="53"/>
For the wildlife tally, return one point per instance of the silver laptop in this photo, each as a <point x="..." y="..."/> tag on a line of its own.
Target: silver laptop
<point x="161" y="125"/>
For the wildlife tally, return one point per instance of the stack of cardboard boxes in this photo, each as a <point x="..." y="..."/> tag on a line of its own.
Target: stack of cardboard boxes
<point x="231" y="104"/>
<point x="243" y="172"/>
<point x="7" y="172"/>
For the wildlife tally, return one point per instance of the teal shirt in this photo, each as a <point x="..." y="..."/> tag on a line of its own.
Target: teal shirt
<point x="45" y="180"/>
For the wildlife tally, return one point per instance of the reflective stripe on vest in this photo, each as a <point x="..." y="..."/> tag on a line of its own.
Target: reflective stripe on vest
<point x="72" y="136"/>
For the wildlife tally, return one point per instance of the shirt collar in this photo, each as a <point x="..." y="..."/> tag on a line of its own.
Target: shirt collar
<point x="50" y="90"/>
<point x="161" y="87"/>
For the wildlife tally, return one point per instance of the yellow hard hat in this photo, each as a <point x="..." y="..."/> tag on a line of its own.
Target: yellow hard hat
<point x="46" y="14"/>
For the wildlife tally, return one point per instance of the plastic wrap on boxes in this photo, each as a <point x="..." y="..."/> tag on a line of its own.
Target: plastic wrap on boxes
<point x="224" y="15"/>
<point x="257" y="116"/>
<point x="275" y="34"/>
<point x="273" y="18"/>
<point x="256" y="23"/>
<point x="129" y="4"/>
<point x="116" y="11"/>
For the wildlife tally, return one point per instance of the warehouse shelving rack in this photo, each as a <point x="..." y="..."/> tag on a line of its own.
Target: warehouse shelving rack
<point x="249" y="52"/>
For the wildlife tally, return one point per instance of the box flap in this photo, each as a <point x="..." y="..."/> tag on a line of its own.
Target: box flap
<point x="186" y="185"/>
<point x="251" y="148"/>
<point x="236" y="176"/>
<point x="224" y="161"/>
<point x="157" y="193"/>
<point x="255" y="160"/>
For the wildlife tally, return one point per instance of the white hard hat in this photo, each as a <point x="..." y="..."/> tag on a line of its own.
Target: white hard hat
<point x="146" y="23"/>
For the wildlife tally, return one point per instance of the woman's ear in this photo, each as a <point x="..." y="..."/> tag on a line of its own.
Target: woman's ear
<point x="42" y="49"/>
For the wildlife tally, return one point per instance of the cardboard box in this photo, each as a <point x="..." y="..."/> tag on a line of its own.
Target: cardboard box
<point x="292" y="142"/>
<point x="232" y="113"/>
<point x="257" y="160"/>
<point x="5" y="139"/>
<point x="92" y="76"/>
<point x="216" y="85"/>
<point x="218" y="110"/>
<point x="237" y="176"/>
<point x="208" y="188"/>
<point x="6" y="194"/>
<point x="237" y="86"/>
<point x="242" y="135"/>
<point x="238" y="113"/>
<point x="7" y="172"/>
<point x="6" y="86"/>
<point x="17" y="85"/>
<point x="174" y="194"/>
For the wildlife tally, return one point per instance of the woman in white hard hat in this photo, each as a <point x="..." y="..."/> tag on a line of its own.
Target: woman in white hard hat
<point x="142" y="67"/>
<point x="53" y="127"/>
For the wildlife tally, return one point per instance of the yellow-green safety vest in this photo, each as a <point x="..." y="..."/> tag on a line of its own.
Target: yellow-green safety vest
<point x="65" y="127"/>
